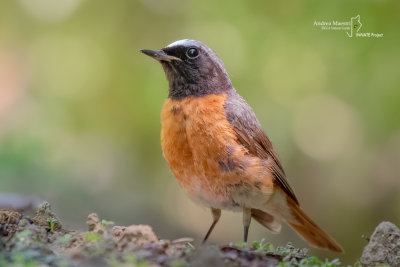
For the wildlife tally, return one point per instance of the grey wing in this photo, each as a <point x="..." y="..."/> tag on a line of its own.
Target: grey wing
<point x="252" y="136"/>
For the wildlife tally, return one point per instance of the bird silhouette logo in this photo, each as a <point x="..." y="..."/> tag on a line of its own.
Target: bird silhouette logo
<point x="355" y="25"/>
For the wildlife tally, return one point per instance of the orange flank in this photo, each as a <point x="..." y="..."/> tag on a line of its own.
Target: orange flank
<point x="203" y="152"/>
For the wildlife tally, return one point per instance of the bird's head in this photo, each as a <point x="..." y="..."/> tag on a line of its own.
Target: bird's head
<point x="192" y="69"/>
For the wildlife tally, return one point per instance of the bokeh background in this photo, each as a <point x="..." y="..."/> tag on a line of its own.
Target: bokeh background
<point x="79" y="109"/>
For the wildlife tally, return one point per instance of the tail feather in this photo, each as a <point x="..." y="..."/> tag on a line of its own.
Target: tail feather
<point x="309" y="230"/>
<point x="272" y="223"/>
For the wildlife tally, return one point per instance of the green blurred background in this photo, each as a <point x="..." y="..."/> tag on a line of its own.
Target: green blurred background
<point x="79" y="108"/>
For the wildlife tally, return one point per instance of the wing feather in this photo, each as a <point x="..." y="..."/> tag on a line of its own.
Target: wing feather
<point x="252" y="136"/>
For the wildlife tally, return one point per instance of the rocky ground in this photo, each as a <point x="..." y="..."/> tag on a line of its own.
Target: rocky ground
<point x="42" y="240"/>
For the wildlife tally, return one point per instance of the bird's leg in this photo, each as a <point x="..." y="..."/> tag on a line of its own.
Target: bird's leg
<point x="216" y="213"/>
<point x="246" y="221"/>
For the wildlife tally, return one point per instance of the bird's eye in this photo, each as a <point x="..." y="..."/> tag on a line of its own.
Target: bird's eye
<point x="192" y="53"/>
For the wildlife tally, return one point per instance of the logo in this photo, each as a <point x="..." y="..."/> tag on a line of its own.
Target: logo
<point x="355" y="24"/>
<point x="352" y="27"/>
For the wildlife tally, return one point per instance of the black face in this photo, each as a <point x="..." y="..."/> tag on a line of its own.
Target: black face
<point x="192" y="69"/>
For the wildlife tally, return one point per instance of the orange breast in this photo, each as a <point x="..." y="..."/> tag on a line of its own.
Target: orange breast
<point x="204" y="155"/>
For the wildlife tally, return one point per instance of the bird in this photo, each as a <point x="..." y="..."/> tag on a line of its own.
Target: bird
<point x="217" y="149"/>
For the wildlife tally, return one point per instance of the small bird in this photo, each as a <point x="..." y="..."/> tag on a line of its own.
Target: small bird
<point x="217" y="149"/>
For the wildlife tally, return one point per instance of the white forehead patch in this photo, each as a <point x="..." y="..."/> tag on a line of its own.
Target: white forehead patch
<point x="183" y="42"/>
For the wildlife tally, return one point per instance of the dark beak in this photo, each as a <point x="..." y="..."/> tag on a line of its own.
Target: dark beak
<point x="159" y="55"/>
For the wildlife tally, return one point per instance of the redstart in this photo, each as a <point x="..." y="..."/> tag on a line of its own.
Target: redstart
<point x="218" y="150"/>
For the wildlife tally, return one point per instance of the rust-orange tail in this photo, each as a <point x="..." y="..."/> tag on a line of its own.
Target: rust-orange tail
<point x="309" y="230"/>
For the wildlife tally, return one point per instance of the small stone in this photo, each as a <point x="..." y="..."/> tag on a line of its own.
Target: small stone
<point x="9" y="216"/>
<point x="383" y="247"/>
<point x="93" y="223"/>
<point x="44" y="214"/>
<point x="134" y="237"/>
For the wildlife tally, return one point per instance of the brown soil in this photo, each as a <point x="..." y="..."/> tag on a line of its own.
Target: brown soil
<point x="43" y="241"/>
